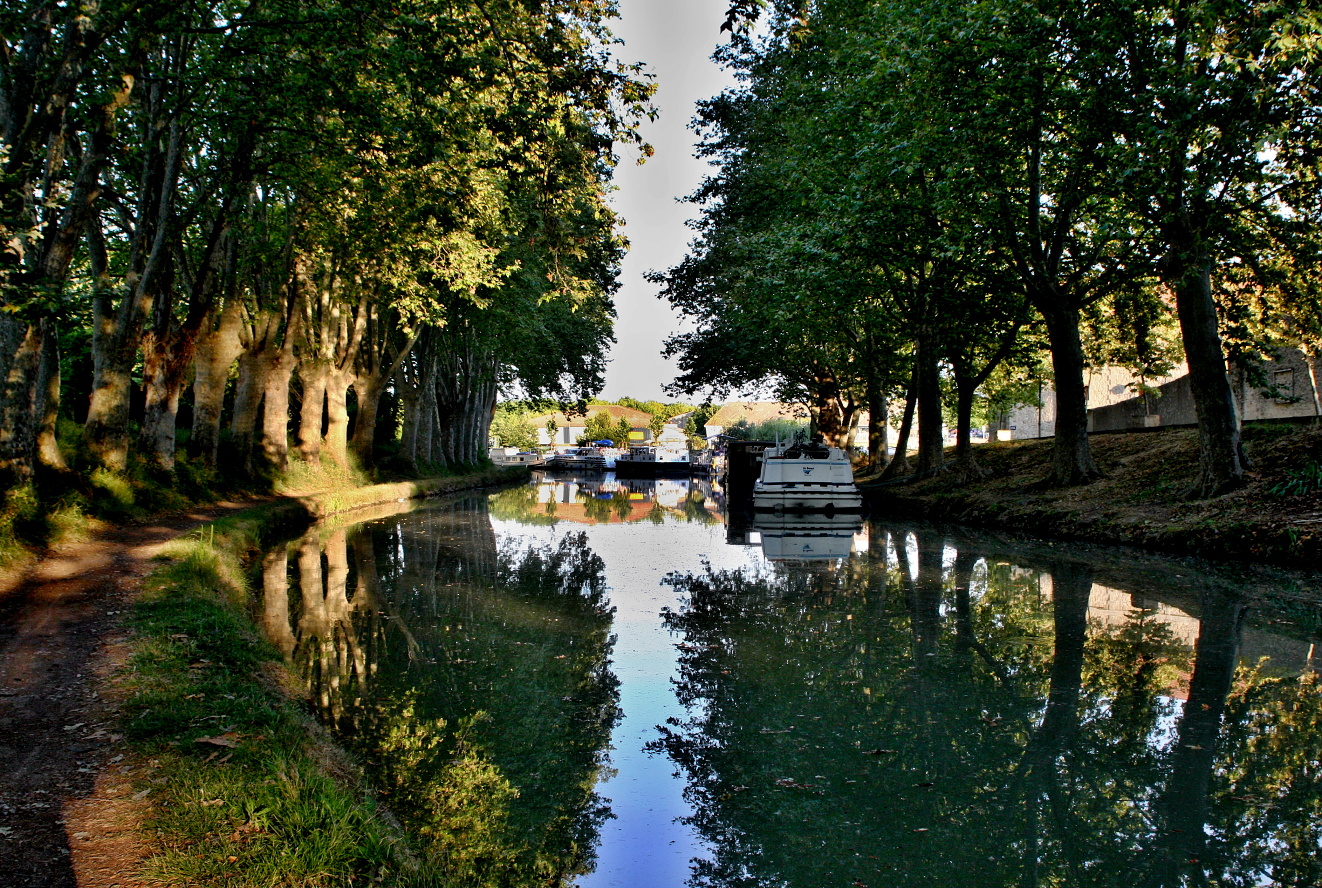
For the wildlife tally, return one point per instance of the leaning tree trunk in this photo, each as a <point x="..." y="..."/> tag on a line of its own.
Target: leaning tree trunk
<point x="1071" y="459"/>
<point x="1220" y="450"/>
<point x="899" y="465"/>
<point x="116" y="337"/>
<point x="217" y="349"/>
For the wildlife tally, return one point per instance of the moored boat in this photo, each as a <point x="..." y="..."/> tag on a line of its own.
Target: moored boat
<point x="809" y="477"/>
<point x="579" y="459"/>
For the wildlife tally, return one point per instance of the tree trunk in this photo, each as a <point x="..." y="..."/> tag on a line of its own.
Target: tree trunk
<point x="931" y="439"/>
<point x="878" y="422"/>
<point x="20" y="362"/>
<point x="899" y="464"/>
<point x="217" y="349"/>
<point x="314" y="376"/>
<point x="1071" y="459"/>
<point x="375" y="368"/>
<point x="966" y="464"/>
<point x="1311" y="358"/>
<point x="162" y="384"/>
<point x="410" y="396"/>
<point x="48" y="445"/>
<point x="253" y="368"/>
<point x="368" y="390"/>
<point x="425" y="431"/>
<point x="114" y="348"/>
<point x="1220" y="453"/>
<point x="275" y="413"/>
<point x="337" y="416"/>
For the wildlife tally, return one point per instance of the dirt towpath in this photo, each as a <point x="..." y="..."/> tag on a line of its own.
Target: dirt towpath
<point x="68" y="810"/>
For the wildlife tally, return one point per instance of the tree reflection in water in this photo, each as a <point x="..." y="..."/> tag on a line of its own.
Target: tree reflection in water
<point x="474" y="681"/>
<point x="944" y="720"/>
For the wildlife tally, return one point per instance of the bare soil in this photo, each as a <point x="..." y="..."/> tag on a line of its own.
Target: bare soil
<point x="70" y="812"/>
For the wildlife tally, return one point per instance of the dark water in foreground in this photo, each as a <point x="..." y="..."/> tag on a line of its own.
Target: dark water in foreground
<point x="592" y="685"/>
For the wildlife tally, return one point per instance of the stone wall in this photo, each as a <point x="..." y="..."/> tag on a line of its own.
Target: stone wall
<point x="1171" y="403"/>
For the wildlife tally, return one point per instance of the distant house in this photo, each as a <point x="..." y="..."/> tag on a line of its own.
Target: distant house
<point x="568" y="427"/>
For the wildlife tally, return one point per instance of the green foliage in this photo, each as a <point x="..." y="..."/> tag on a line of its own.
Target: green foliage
<point x="511" y="428"/>
<point x="771" y="430"/>
<point x="1302" y="481"/>
<point x="600" y="427"/>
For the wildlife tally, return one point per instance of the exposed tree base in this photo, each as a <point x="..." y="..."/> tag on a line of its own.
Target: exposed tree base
<point x="1208" y="488"/>
<point x="898" y="466"/>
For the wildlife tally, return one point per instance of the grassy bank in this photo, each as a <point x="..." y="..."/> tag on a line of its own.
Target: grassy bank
<point x="1275" y="518"/>
<point x="244" y="788"/>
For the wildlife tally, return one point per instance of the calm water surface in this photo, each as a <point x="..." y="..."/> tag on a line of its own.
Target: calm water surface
<point x="606" y="683"/>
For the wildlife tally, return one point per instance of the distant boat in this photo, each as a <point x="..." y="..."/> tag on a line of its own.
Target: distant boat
<point x="512" y="456"/>
<point x="653" y="462"/>
<point x="667" y="457"/>
<point x="809" y="477"/>
<point x="581" y="459"/>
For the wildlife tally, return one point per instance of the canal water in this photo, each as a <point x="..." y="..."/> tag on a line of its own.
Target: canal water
<point x="594" y="682"/>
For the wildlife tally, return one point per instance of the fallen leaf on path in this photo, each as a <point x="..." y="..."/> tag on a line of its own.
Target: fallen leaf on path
<point x="229" y="740"/>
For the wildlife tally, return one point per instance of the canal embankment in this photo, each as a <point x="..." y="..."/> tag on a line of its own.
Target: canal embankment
<point x="1141" y="500"/>
<point x="245" y="787"/>
<point x="188" y="755"/>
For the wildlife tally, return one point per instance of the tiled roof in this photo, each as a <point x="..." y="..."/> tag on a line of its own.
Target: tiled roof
<point x="639" y="419"/>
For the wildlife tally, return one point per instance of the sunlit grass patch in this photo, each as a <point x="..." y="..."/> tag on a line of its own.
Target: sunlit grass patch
<point x="326" y="474"/>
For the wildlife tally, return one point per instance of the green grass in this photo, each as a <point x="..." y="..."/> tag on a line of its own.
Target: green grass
<point x="240" y="796"/>
<point x="245" y="791"/>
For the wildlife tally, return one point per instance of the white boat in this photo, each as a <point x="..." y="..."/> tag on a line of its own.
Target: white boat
<point x="589" y="459"/>
<point x="512" y="456"/>
<point x="667" y="458"/>
<point x="808" y="477"/>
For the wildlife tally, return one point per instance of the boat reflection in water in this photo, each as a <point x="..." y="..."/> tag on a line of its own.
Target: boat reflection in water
<point x="816" y="538"/>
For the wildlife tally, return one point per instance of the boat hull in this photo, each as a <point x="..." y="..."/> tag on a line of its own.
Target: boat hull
<point x="628" y="468"/>
<point x="805" y="499"/>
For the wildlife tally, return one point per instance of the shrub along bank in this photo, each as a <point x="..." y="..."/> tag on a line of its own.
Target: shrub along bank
<point x="1143" y="498"/>
<point x="245" y="789"/>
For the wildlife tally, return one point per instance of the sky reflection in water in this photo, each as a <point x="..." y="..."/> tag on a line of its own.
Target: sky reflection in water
<point x="588" y="684"/>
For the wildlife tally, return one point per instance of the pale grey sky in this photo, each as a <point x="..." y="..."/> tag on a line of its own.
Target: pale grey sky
<point x="675" y="38"/>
